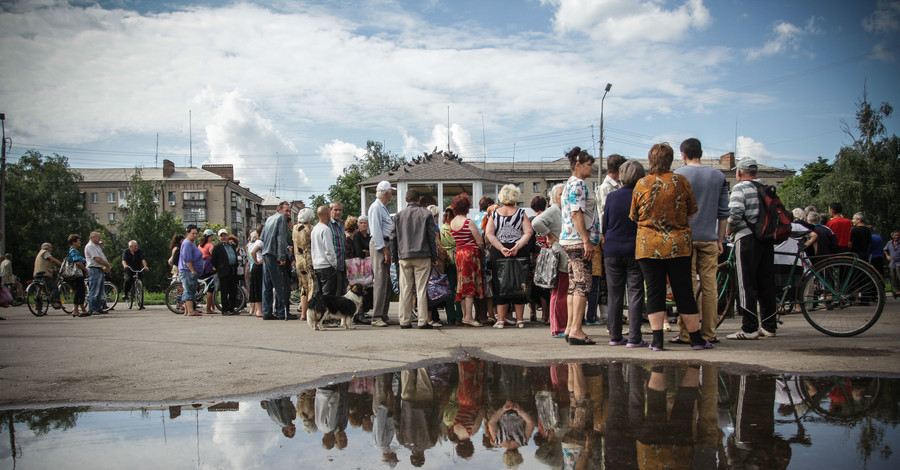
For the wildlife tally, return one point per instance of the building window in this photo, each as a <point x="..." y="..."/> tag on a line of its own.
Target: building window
<point x="521" y="187"/>
<point x="451" y="190"/>
<point x="194" y="215"/>
<point x="194" y="195"/>
<point x="111" y="197"/>
<point x="95" y="198"/>
<point x="536" y="188"/>
<point x="111" y="216"/>
<point x="171" y="196"/>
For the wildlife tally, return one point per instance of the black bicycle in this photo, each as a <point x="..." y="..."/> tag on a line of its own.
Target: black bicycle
<point x="136" y="295"/>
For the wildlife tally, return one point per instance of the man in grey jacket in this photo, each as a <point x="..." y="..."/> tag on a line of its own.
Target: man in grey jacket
<point x="414" y="244"/>
<point x="274" y="255"/>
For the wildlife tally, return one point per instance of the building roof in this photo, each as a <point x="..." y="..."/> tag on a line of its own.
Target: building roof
<point x="438" y="166"/>
<point x="103" y="175"/>
<point x="270" y="200"/>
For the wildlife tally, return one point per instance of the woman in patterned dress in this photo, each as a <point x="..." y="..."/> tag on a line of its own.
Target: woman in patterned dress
<point x="662" y="205"/>
<point x="303" y="258"/>
<point x="469" y="248"/>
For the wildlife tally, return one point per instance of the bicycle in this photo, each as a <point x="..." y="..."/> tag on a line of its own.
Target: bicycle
<point x="17" y="292"/>
<point x="840" y="295"/>
<point x="67" y="294"/>
<point x="137" y="289"/>
<point x="175" y="290"/>
<point x="37" y="295"/>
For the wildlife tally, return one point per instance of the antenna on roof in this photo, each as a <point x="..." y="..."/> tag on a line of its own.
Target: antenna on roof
<point x="190" y="140"/>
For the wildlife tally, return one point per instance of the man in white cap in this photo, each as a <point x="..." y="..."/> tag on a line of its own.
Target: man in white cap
<point x="755" y="259"/>
<point x="380" y="226"/>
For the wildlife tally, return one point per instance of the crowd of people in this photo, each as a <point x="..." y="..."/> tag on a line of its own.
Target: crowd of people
<point x="652" y="235"/>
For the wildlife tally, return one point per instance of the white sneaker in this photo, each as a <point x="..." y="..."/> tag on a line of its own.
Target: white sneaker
<point x="766" y="333"/>
<point x="499" y="325"/>
<point x="740" y="334"/>
<point x="435" y="324"/>
<point x="667" y="327"/>
<point x="379" y="322"/>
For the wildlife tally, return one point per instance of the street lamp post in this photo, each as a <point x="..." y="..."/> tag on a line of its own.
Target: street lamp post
<point x="600" y="170"/>
<point x="3" y="185"/>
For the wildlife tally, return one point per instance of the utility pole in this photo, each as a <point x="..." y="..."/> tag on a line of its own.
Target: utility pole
<point x="3" y="186"/>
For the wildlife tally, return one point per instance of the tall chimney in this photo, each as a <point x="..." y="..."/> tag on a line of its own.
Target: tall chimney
<point x="727" y="161"/>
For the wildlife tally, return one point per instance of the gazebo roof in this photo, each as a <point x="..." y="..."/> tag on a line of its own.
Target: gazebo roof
<point x="438" y="166"/>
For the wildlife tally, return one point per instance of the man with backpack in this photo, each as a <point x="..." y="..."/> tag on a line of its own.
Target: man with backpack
<point x="755" y="257"/>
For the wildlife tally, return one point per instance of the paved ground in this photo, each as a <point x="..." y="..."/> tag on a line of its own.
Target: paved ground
<point x="154" y="356"/>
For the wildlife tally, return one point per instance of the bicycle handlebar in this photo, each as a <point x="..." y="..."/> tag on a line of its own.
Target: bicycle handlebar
<point x="137" y="270"/>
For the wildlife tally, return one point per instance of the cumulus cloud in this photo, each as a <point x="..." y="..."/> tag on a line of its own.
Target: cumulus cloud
<point x="622" y="21"/>
<point x="340" y="155"/>
<point x="788" y="39"/>
<point x="748" y="147"/>
<point x="885" y="19"/>
<point x="237" y="134"/>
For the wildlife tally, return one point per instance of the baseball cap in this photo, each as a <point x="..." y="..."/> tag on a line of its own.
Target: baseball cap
<point x="208" y="232"/>
<point x="222" y="231"/>
<point x="384" y="186"/>
<point x="746" y="164"/>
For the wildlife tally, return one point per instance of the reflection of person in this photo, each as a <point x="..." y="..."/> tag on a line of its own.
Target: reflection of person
<point x="282" y="412"/>
<point x="511" y="426"/>
<point x="578" y="442"/>
<point x="419" y="414"/>
<point x="383" y="428"/>
<point x="754" y="443"/>
<point x="471" y="408"/>
<point x="626" y="413"/>
<point x="332" y="414"/>
<point x="665" y="439"/>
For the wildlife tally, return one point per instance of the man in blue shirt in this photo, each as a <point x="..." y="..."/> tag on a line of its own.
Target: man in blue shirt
<point x="189" y="264"/>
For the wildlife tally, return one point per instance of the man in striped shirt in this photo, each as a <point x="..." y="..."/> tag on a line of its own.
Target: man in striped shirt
<point x="755" y="259"/>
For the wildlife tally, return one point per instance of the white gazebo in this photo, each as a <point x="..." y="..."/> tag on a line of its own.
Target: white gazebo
<point x="438" y="177"/>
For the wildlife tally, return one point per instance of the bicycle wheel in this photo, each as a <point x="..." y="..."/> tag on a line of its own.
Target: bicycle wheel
<point x="139" y="293"/>
<point x="841" y="398"/>
<point x="240" y="300"/>
<point x="38" y="299"/>
<point x="727" y="289"/>
<point x="111" y="296"/>
<point x="842" y="297"/>
<point x="67" y="297"/>
<point x="173" y="298"/>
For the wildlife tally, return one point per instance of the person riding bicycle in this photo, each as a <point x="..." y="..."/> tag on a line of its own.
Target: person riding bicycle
<point x="44" y="270"/>
<point x="133" y="258"/>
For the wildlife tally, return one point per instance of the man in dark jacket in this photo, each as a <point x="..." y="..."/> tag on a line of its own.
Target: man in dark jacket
<point x="413" y="243"/>
<point x="224" y="260"/>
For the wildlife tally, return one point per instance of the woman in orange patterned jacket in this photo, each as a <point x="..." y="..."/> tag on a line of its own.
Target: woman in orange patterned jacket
<point x="662" y="205"/>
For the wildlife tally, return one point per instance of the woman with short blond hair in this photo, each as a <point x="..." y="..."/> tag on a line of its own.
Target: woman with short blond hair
<point x="508" y="231"/>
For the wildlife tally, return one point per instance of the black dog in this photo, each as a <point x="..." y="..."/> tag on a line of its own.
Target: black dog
<point x="322" y="306"/>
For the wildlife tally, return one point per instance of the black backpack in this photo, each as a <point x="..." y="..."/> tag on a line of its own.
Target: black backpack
<point x="774" y="224"/>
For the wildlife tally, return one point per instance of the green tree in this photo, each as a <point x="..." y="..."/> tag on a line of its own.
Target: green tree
<point x="866" y="176"/>
<point x="375" y="161"/>
<point x="142" y="220"/>
<point x="43" y="204"/>
<point x="803" y="189"/>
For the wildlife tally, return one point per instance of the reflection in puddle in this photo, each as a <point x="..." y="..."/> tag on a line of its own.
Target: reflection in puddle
<point x="480" y="414"/>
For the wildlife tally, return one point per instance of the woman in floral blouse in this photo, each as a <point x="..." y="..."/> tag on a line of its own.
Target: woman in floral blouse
<point x="580" y="234"/>
<point x="661" y="205"/>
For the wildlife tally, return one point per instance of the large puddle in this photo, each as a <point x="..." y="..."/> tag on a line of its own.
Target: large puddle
<point x="478" y="414"/>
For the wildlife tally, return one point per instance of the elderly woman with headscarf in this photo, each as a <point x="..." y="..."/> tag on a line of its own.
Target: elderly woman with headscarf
<point x="662" y="205"/>
<point x="622" y="268"/>
<point x="303" y="257"/>
<point x="254" y="263"/>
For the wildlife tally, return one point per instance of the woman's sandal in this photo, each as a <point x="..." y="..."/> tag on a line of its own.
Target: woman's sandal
<point x="586" y="341"/>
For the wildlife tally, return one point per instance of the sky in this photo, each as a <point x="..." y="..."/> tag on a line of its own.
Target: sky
<point x="289" y="92"/>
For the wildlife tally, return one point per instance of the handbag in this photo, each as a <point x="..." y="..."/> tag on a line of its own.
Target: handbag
<point x="512" y="277"/>
<point x="69" y="270"/>
<point x="546" y="270"/>
<point x="438" y="288"/>
<point x="395" y="278"/>
<point x="359" y="272"/>
<point x="5" y="297"/>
